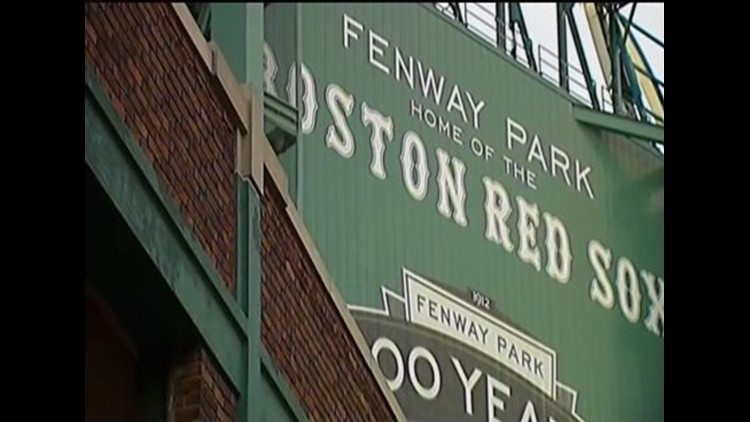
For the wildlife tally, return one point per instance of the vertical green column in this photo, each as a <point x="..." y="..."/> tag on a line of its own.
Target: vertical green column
<point x="254" y="358"/>
<point x="228" y="29"/>
<point x="299" y="144"/>
<point x="254" y="37"/>
<point x="238" y="30"/>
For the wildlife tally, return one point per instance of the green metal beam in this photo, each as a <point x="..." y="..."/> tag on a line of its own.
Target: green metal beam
<point x="630" y="78"/>
<point x="126" y="175"/>
<point x="562" y="47"/>
<point x="618" y="124"/>
<point x="254" y="36"/>
<point x="299" y="156"/>
<point x="500" y="26"/>
<point x="281" y="386"/>
<point x="628" y="25"/>
<point x="645" y="32"/>
<point x="581" y="55"/>
<point x="239" y="29"/>
<point x="228" y="29"/>
<point x="456" y="9"/>
<point x="648" y="71"/>
<point x="252" y="254"/>
<point x="280" y="113"/>
<point x="244" y="288"/>
<point x="516" y="16"/>
<point x="241" y="244"/>
<point x="616" y="55"/>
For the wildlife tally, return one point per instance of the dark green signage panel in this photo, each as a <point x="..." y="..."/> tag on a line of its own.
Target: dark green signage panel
<point x="503" y="261"/>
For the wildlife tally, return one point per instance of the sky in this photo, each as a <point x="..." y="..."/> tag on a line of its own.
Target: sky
<point x="541" y="21"/>
<point x="649" y="16"/>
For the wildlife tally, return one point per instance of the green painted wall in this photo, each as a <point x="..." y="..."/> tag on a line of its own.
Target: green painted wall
<point x="238" y="29"/>
<point x="277" y="65"/>
<point x="368" y="229"/>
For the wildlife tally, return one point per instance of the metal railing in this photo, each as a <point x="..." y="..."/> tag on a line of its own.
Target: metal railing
<point x="549" y="69"/>
<point x="483" y="23"/>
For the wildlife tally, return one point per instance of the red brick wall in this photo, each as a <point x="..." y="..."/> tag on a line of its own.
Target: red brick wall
<point x="197" y="392"/>
<point x="161" y="89"/>
<point x="303" y="332"/>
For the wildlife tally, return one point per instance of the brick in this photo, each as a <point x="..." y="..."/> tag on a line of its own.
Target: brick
<point x="310" y="346"/>
<point x="199" y="396"/>
<point x="162" y="91"/>
<point x="188" y="399"/>
<point x="143" y="55"/>
<point x="187" y="414"/>
<point x="90" y="33"/>
<point x="129" y="15"/>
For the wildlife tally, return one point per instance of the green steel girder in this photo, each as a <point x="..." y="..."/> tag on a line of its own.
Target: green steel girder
<point x="251" y="252"/>
<point x="129" y="180"/>
<point x="628" y="25"/>
<point x="619" y="124"/>
<point x="281" y="385"/>
<point x="280" y="113"/>
<point x="628" y="76"/>
<point x="299" y="168"/>
<point x="516" y="17"/>
<point x="562" y="47"/>
<point x="500" y="26"/>
<point x="253" y="49"/>
<point x="568" y="9"/>
<point x="242" y="244"/>
<point x="239" y="29"/>
<point x="631" y="77"/>
<point x="457" y="12"/>
<point x="631" y="69"/>
<point x="281" y="128"/>
<point x="644" y="32"/>
<point x="648" y="71"/>
<point x="616" y="56"/>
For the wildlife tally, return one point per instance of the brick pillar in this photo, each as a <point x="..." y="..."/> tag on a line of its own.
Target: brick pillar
<point x="197" y="392"/>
